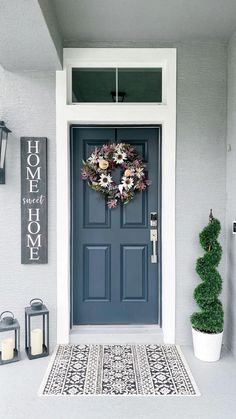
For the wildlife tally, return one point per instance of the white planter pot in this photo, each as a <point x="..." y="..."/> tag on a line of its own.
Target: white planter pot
<point x="207" y="347"/>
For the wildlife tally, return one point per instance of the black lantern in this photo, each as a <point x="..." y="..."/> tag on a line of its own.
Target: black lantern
<point x="10" y="347"/>
<point x="120" y="96"/>
<point x="3" y="147"/>
<point x="36" y="340"/>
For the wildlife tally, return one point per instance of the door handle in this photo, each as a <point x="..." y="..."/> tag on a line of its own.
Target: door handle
<point x="153" y="239"/>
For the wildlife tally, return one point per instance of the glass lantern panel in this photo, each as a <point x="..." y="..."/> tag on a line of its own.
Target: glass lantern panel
<point x="36" y="322"/>
<point x="3" y="148"/>
<point x="8" y="345"/>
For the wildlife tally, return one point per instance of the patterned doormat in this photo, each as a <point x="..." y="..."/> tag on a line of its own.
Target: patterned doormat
<point x="118" y="370"/>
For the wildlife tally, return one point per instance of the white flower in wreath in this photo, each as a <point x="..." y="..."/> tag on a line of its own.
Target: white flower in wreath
<point x="139" y="172"/>
<point x="105" y="180"/>
<point x="119" y="157"/>
<point x="120" y="187"/>
<point x="127" y="182"/>
<point x="93" y="158"/>
<point x="119" y="148"/>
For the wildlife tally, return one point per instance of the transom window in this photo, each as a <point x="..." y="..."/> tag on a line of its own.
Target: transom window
<point x="126" y="85"/>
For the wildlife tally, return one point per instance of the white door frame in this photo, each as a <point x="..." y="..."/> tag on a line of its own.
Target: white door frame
<point x="109" y="114"/>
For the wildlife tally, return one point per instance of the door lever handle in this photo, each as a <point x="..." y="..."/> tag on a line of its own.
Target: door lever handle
<point x="153" y="239"/>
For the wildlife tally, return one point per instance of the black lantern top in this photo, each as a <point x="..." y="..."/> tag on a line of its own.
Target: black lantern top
<point x="3" y="127"/>
<point x="3" y="147"/>
<point x="36" y="307"/>
<point x="8" y="321"/>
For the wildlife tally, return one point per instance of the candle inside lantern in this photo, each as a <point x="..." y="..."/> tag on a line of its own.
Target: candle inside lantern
<point x="36" y="342"/>
<point x="7" y="349"/>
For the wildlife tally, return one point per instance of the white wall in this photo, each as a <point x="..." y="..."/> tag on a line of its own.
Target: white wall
<point x="27" y="104"/>
<point x="231" y="198"/>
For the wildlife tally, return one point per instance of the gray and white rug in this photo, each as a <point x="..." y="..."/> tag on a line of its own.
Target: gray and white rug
<point x="143" y="370"/>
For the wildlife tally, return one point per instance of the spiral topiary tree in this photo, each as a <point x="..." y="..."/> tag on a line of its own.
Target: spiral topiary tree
<point x="211" y="317"/>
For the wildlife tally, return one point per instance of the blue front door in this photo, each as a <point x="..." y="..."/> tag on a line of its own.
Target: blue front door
<point x="113" y="279"/>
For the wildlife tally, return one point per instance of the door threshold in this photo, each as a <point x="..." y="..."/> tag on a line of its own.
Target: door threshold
<point x="116" y="334"/>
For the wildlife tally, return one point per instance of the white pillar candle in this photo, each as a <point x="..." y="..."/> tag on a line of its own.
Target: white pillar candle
<point x="36" y="341"/>
<point x="7" y="349"/>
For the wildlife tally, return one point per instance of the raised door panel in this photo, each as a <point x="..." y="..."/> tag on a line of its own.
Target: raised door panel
<point x="95" y="212"/>
<point x="135" y="214"/>
<point x="97" y="273"/>
<point x="134" y="272"/>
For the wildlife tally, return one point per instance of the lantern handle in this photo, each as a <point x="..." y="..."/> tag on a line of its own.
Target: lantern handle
<point x="10" y="312"/>
<point x="36" y="299"/>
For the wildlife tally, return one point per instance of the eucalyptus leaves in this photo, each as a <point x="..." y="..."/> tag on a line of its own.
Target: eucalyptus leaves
<point x="97" y="170"/>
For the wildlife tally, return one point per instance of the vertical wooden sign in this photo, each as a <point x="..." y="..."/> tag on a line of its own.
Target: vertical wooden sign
<point x="34" y="204"/>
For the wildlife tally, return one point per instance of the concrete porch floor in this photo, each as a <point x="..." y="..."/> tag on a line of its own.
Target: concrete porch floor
<point x="19" y="384"/>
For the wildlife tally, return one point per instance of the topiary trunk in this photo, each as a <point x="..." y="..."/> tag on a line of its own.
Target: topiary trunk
<point x="211" y="317"/>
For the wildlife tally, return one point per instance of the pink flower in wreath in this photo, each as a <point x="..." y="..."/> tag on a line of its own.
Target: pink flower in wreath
<point x="85" y="174"/>
<point x="96" y="151"/>
<point x="130" y="151"/>
<point x="106" y="148"/>
<point x="124" y="195"/>
<point x="136" y="163"/>
<point x="142" y="186"/>
<point x="112" y="203"/>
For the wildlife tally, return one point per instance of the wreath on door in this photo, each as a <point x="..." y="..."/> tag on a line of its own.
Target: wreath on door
<point x="97" y="171"/>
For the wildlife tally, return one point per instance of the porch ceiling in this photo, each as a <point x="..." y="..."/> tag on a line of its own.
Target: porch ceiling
<point x="29" y="36"/>
<point x="33" y="32"/>
<point x="87" y="22"/>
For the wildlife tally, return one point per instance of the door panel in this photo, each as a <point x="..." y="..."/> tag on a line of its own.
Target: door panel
<point x="99" y="218"/>
<point x="134" y="279"/>
<point x="97" y="259"/>
<point x="114" y="281"/>
<point x="137" y="218"/>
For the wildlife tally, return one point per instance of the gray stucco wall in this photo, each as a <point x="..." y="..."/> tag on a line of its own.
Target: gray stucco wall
<point x="201" y="164"/>
<point x="231" y="198"/>
<point x="29" y="109"/>
<point x="27" y="104"/>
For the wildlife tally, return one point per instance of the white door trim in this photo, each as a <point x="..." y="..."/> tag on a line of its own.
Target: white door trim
<point x="116" y="113"/>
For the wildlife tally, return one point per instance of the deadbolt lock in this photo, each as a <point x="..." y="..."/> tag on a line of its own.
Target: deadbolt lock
<point x="153" y="219"/>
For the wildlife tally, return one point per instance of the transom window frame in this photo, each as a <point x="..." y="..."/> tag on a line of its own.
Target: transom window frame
<point x="126" y="114"/>
<point x="116" y="64"/>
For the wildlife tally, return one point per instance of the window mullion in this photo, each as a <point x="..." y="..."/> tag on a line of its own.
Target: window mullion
<point x="117" y="85"/>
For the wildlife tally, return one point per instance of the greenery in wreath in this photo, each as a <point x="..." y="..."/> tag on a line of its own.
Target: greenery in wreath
<point x="97" y="171"/>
